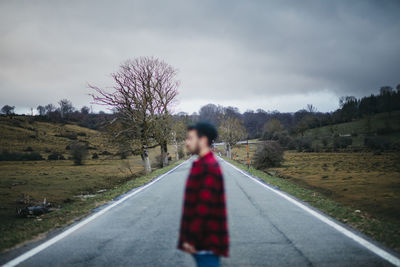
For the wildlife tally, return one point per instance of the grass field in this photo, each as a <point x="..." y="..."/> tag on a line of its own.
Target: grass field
<point x="358" y="129"/>
<point x="365" y="186"/>
<point x="367" y="181"/>
<point x="76" y="189"/>
<point x="382" y="230"/>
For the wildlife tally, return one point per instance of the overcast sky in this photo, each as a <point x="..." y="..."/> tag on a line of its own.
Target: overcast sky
<point x="274" y="55"/>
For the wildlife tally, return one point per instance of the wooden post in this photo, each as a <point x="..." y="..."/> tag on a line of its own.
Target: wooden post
<point x="248" y="159"/>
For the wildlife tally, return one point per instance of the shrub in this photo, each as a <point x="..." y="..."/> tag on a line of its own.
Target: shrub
<point x="5" y="155"/>
<point x="181" y="151"/>
<point x="292" y="144"/>
<point x="341" y="142"/>
<point x="268" y="154"/>
<point x="376" y="142"/>
<point x="304" y="144"/>
<point x="385" y="130"/>
<point x="282" y="137"/>
<point x="95" y="156"/>
<point x="325" y="141"/>
<point x="78" y="153"/>
<point x="55" y="156"/>
<point x="158" y="162"/>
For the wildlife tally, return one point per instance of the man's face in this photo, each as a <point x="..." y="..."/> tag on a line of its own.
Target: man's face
<point x="192" y="142"/>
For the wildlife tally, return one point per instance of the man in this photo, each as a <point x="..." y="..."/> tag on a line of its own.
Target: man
<point x="204" y="223"/>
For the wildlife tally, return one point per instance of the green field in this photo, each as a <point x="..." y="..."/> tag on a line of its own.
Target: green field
<point x="381" y="124"/>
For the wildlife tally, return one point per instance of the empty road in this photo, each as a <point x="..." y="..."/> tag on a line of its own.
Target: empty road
<point x="266" y="229"/>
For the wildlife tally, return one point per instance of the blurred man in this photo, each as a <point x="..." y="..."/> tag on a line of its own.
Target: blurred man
<point x="204" y="225"/>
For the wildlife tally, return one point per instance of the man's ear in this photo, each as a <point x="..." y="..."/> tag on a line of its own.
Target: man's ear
<point x="204" y="141"/>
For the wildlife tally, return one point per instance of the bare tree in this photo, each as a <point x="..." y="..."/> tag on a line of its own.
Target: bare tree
<point x="65" y="107"/>
<point x="41" y="110"/>
<point x="231" y="131"/>
<point x="8" y="110"/>
<point x="143" y="92"/>
<point x="311" y="108"/>
<point x="85" y="110"/>
<point x="165" y="92"/>
<point x="49" y="108"/>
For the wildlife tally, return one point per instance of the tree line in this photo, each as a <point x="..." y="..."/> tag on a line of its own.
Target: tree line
<point x="144" y="94"/>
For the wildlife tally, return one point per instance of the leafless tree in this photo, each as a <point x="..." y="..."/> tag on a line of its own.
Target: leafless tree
<point x="7" y="109"/>
<point x="231" y="131"/>
<point x="65" y="107"/>
<point x="144" y="90"/>
<point x="311" y="108"/>
<point x="41" y="110"/>
<point x="49" y="108"/>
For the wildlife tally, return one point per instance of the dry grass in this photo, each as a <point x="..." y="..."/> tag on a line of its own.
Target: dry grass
<point x="60" y="182"/>
<point x="361" y="189"/>
<point x="363" y="180"/>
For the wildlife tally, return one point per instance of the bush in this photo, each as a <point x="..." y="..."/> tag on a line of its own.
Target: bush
<point x="385" y="130"/>
<point x="5" y="155"/>
<point x="55" y="156"/>
<point x="157" y="162"/>
<point x="282" y="137"/>
<point x="376" y="142"/>
<point x="95" y="156"/>
<point x="341" y="142"/>
<point x="181" y="152"/>
<point x="304" y="144"/>
<point x="292" y="144"/>
<point x="268" y="154"/>
<point x="78" y="153"/>
<point x="325" y="141"/>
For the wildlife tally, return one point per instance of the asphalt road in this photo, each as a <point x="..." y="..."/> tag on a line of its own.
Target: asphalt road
<point x="265" y="228"/>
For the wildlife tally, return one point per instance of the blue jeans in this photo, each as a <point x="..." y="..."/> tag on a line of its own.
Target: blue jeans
<point x="206" y="260"/>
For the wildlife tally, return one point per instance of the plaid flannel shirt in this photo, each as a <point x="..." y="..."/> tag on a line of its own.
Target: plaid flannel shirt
<point x="204" y="222"/>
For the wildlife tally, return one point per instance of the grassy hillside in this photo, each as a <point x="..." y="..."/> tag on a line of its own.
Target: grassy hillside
<point x="20" y="132"/>
<point x="382" y="124"/>
<point x="71" y="189"/>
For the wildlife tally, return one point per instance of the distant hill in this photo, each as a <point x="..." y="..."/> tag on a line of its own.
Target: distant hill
<point x="24" y="133"/>
<point x="382" y="125"/>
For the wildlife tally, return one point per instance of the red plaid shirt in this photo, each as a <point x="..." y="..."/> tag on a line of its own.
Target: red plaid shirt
<point x="204" y="222"/>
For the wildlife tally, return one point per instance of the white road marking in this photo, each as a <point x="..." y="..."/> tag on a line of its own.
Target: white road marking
<point x="365" y="243"/>
<point x="67" y="232"/>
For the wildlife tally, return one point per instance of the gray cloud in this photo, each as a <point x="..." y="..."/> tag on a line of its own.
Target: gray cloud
<point x="252" y="54"/>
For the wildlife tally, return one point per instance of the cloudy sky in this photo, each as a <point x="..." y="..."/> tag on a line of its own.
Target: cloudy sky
<point x="274" y="55"/>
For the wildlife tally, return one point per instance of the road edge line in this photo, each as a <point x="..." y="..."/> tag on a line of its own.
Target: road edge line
<point x="365" y="243"/>
<point x="26" y="255"/>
